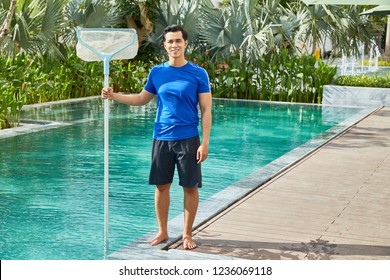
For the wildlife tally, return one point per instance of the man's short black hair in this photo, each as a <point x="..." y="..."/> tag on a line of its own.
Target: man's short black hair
<point x="175" y="28"/>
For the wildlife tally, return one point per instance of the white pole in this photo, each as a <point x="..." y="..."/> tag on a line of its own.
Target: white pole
<point x="362" y="52"/>
<point x="106" y="159"/>
<point x="106" y="58"/>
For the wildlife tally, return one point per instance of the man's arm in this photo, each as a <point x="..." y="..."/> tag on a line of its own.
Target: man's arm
<point x="205" y="103"/>
<point x="139" y="99"/>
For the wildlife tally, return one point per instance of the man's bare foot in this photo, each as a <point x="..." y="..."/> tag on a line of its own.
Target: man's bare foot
<point x="188" y="243"/>
<point x="160" y="238"/>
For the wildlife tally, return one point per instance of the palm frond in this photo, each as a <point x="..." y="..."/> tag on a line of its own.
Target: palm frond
<point x="225" y="28"/>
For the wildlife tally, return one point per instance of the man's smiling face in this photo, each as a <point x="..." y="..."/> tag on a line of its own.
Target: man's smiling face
<point x="175" y="45"/>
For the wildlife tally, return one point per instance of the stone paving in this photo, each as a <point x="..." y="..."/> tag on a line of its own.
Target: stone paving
<point x="334" y="204"/>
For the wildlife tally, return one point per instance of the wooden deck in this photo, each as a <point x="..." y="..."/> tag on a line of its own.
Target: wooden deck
<point x="335" y="204"/>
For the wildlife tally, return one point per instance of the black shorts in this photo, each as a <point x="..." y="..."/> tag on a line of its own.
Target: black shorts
<point x="181" y="153"/>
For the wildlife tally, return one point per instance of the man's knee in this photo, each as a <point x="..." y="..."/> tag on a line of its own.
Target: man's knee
<point x="163" y="188"/>
<point x="191" y="192"/>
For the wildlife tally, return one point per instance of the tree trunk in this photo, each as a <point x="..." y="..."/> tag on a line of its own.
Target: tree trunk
<point x="147" y="25"/>
<point x="5" y="28"/>
<point x="387" y="48"/>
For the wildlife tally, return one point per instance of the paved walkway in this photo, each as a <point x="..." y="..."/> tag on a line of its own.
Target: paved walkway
<point x="335" y="204"/>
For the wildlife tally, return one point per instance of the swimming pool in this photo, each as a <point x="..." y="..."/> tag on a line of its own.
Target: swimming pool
<point x="51" y="184"/>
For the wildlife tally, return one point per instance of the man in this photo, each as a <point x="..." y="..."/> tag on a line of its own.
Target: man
<point x="179" y="86"/>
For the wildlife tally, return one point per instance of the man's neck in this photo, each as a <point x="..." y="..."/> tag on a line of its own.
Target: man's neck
<point x="177" y="62"/>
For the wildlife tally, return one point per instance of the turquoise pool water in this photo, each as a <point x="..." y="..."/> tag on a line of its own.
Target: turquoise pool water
<point x="51" y="181"/>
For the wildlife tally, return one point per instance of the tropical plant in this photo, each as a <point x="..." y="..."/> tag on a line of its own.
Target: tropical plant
<point x="354" y="30"/>
<point x="343" y="26"/>
<point x="89" y="14"/>
<point x="35" y="27"/>
<point x="278" y="75"/>
<point x="130" y="76"/>
<point x="320" y="22"/>
<point x="223" y="29"/>
<point x="40" y="32"/>
<point x="239" y="27"/>
<point x="295" y="78"/>
<point x="289" y="29"/>
<point x="12" y="88"/>
<point x="47" y="28"/>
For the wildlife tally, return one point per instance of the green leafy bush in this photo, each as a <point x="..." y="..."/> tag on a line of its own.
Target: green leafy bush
<point x="12" y="90"/>
<point x="277" y="76"/>
<point x="28" y="80"/>
<point x="129" y="76"/>
<point x="364" y="81"/>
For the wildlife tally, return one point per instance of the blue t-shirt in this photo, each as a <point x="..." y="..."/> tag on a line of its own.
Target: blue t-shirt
<point x="177" y="90"/>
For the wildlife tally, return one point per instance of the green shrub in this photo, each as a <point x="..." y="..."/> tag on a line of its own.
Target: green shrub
<point x="277" y="76"/>
<point x="27" y="80"/>
<point x="129" y="76"/>
<point x="364" y="81"/>
<point x="13" y="89"/>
